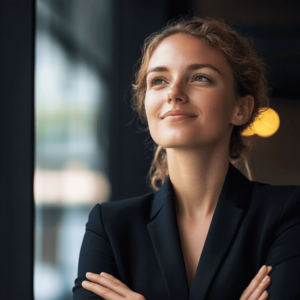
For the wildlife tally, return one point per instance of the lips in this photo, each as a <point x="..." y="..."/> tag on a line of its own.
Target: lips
<point x="178" y="112"/>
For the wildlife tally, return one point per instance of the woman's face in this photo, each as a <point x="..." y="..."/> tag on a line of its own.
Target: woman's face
<point x="186" y="74"/>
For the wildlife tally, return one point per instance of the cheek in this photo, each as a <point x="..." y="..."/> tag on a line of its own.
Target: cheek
<point x="153" y="104"/>
<point x="148" y="109"/>
<point x="151" y="108"/>
<point x="217" y="108"/>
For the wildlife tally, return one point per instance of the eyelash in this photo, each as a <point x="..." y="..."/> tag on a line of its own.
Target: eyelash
<point x="152" y="81"/>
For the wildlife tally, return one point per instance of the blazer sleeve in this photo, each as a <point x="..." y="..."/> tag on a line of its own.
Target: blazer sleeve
<point x="284" y="254"/>
<point x="96" y="255"/>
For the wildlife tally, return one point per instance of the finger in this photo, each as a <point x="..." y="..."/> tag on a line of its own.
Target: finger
<point x="95" y="277"/>
<point x="101" y="291"/>
<point x="111" y="277"/>
<point x="255" y="282"/>
<point x="112" y="284"/>
<point x="260" y="288"/>
<point x="264" y="296"/>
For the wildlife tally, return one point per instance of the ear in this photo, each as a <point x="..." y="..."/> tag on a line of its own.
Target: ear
<point x="242" y="110"/>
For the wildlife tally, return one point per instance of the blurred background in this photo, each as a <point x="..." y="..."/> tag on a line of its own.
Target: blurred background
<point x="72" y="61"/>
<point x="70" y="137"/>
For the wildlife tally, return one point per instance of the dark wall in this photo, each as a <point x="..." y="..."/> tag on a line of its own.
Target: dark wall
<point x="17" y="148"/>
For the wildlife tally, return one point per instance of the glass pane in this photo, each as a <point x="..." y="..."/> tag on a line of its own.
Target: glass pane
<point x="73" y="49"/>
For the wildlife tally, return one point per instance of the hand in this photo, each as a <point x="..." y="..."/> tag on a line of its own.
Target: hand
<point x="256" y="290"/>
<point x="109" y="288"/>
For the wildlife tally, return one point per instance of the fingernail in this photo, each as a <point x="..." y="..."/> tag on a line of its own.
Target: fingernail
<point x="85" y="282"/>
<point x="262" y="269"/>
<point x="88" y="274"/>
<point x="265" y="278"/>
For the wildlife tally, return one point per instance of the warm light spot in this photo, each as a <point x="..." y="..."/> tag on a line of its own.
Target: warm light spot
<point x="265" y="125"/>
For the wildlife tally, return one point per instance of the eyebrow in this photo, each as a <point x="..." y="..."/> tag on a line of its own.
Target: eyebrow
<point x="191" y="67"/>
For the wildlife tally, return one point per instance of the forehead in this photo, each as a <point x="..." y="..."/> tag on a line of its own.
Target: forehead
<point x="180" y="50"/>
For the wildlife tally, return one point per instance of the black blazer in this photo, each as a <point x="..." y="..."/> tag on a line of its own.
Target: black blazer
<point x="137" y="241"/>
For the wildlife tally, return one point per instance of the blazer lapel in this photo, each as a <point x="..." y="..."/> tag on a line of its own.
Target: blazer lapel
<point x="232" y="204"/>
<point x="165" y="238"/>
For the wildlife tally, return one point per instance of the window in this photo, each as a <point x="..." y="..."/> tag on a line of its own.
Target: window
<point x="71" y="102"/>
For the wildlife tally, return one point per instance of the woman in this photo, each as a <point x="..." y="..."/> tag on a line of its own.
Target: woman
<point x="208" y="229"/>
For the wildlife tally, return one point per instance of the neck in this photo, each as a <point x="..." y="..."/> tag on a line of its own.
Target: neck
<point x="197" y="177"/>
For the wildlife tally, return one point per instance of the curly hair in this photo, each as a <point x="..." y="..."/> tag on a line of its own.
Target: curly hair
<point x="248" y="68"/>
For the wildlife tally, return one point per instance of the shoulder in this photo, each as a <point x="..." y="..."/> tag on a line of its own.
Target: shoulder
<point x="274" y="195"/>
<point x="123" y="209"/>
<point x="119" y="216"/>
<point x="273" y="190"/>
<point x="277" y="202"/>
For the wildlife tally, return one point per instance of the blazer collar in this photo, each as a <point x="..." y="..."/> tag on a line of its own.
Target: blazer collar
<point x="234" y="199"/>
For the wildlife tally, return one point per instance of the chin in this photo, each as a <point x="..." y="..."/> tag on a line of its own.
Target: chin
<point x="173" y="144"/>
<point x="179" y="139"/>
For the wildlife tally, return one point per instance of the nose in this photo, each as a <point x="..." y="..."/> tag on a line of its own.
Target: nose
<point x="175" y="93"/>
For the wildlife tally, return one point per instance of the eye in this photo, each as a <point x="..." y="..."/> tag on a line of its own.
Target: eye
<point x="202" y="77"/>
<point x="155" y="80"/>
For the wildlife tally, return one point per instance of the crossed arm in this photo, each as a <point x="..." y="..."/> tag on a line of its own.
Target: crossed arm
<point x="283" y="256"/>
